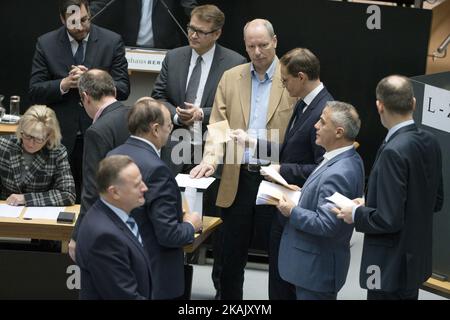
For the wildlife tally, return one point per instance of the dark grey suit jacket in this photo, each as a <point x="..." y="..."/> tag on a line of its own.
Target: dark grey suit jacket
<point x="170" y="86"/>
<point x="108" y="132"/>
<point x="404" y="189"/>
<point x="51" y="63"/>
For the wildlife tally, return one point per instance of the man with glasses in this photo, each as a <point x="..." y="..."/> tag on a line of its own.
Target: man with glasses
<point x="249" y="97"/>
<point x="189" y="77"/>
<point x="61" y="57"/>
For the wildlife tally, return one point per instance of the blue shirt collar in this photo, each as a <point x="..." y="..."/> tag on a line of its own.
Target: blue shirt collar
<point x="269" y="72"/>
<point x="397" y="127"/>
<point x="119" y="212"/>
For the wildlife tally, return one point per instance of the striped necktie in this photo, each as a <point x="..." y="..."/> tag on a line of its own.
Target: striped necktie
<point x="134" y="228"/>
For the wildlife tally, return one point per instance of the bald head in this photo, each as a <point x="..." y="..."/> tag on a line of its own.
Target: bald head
<point x="259" y="24"/>
<point x="97" y="84"/>
<point x="396" y="94"/>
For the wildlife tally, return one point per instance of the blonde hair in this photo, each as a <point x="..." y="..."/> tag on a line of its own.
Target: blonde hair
<point x="39" y="118"/>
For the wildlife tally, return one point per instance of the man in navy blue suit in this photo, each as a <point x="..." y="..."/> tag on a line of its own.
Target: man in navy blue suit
<point x="164" y="227"/>
<point x="405" y="188"/>
<point x="314" y="253"/>
<point x="113" y="262"/>
<point x="299" y="154"/>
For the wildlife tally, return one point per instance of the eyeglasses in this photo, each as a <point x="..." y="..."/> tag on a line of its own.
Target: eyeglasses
<point x="28" y="137"/>
<point x="199" y="33"/>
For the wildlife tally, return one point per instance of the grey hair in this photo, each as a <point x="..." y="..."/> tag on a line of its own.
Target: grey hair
<point x="266" y="23"/>
<point x="345" y="115"/>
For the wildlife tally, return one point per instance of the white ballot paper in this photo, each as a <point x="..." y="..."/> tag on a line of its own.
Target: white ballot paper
<point x="271" y="172"/>
<point x="184" y="180"/>
<point x="7" y="211"/>
<point x="48" y="213"/>
<point x="340" y="200"/>
<point x="270" y="193"/>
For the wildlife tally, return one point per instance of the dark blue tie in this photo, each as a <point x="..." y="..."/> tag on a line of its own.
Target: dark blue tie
<point x="298" y="111"/>
<point x="134" y="228"/>
<point x="79" y="55"/>
<point x="194" y="81"/>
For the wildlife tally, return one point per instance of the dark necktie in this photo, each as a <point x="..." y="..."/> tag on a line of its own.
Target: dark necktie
<point x="79" y="55"/>
<point x="134" y="228"/>
<point x="194" y="81"/>
<point x="298" y="111"/>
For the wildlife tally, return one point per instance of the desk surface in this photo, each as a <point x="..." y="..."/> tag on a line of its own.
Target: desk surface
<point x="8" y="128"/>
<point x="37" y="228"/>
<point x="438" y="286"/>
<point x="51" y="230"/>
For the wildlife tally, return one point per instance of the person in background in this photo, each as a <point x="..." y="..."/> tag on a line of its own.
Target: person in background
<point x="113" y="262"/>
<point x="145" y="23"/>
<point x="34" y="169"/>
<point x="60" y="58"/>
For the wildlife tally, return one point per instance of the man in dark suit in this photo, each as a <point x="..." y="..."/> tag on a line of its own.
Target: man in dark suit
<point x="405" y="188"/>
<point x="61" y="57"/>
<point x="111" y="256"/>
<point x="164" y="228"/>
<point x="314" y="253"/>
<point x="145" y="23"/>
<point x="191" y="110"/>
<point x="108" y="130"/>
<point x="299" y="154"/>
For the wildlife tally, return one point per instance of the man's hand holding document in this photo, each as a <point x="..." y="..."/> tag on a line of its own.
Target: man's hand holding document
<point x="270" y="193"/>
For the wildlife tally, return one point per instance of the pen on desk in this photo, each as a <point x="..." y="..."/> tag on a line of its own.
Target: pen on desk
<point x="27" y="219"/>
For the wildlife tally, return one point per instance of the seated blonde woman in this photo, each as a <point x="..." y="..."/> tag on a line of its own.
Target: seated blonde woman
<point x="34" y="169"/>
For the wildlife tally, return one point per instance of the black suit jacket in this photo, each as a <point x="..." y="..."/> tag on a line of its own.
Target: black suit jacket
<point x="109" y="131"/>
<point x="114" y="265"/>
<point x="160" y="220"/>
<point x="404" y="189"/>
<point x="124" y="17"/>
<point x="170" y="86"/>
<point x="51" y="63"/>
<point x="299" y="153"/>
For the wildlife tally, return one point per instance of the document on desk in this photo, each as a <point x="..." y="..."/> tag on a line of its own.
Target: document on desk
<point x="340" y="200"/>
<point x="48" y="213"/>
<point x="270" y="193"/>
<point x="184" y="180"/>
<point x="7" y="211"/>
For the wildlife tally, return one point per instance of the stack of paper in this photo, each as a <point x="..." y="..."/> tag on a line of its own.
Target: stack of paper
<point x="48" y="213"/>
<point x="270" y="193"/>
<point x="275" y="176"/>
<point x="184" y="180"/>
<point x="7" y="211"/>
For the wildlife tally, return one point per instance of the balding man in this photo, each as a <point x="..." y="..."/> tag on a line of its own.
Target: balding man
<point x="108" y="130"/>
<point x="250" y="97"/>
<point x="405" y="188"/>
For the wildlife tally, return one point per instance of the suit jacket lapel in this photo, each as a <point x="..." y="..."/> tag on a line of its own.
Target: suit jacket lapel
<point x="39" y="161"/>
<point x="212" y="76"/>
<point x="67" y="54"/>
<point x="122" y="226"/>
<point x="184" y="72"/>
<point x="319" y="171"/>
<point x="276" y="92"/>
<point x="91" y="49"/>
<point x="245" y="83"/>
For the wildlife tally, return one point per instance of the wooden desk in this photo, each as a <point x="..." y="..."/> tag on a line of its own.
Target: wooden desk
<point x="438" y="287"/>
<point x="209" y="225"/>
<point x="6" y="129"/>
<point x="39" y="228"/>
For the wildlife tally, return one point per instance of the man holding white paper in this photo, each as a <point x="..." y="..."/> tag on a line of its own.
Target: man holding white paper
<point x="314" y="252"/>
